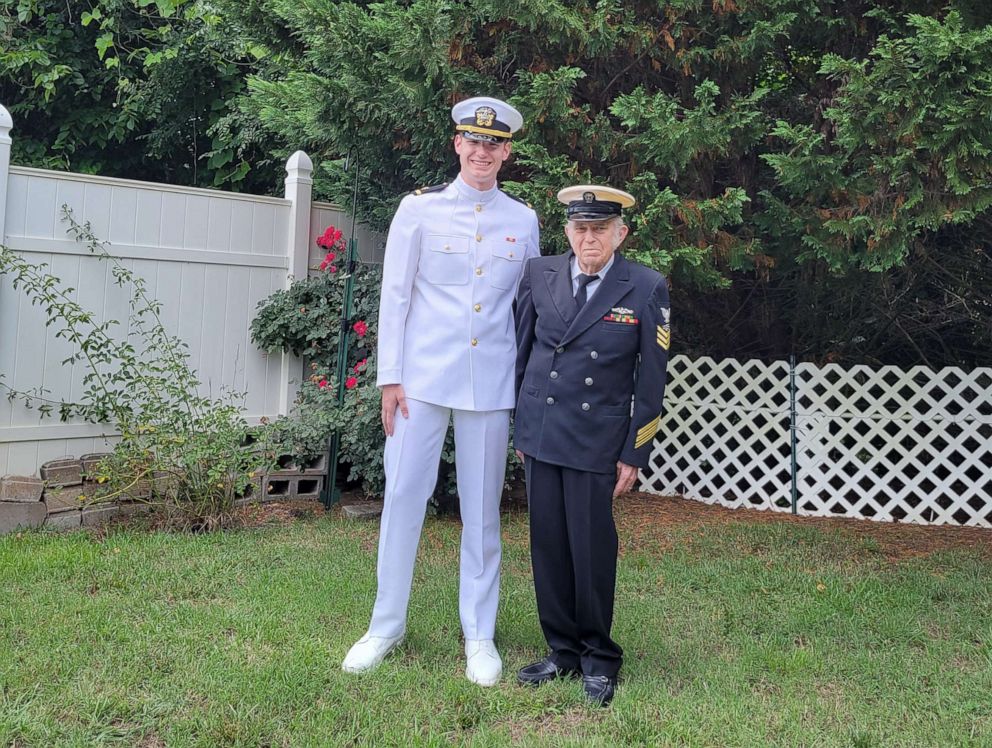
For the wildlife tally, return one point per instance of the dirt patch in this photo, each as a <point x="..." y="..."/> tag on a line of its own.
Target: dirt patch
<point x="276" y="513"/>
<point x="569" y="722"/>
<point x="642" y="516"/>
<point x="660" y="520"/>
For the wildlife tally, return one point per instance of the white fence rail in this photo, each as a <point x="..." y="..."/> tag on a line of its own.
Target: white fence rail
<point x="208" y="256"/>
<point x="883" y="444"/>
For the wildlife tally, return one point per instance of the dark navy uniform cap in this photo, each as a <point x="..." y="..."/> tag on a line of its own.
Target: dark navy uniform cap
<point x="589" y="202"/>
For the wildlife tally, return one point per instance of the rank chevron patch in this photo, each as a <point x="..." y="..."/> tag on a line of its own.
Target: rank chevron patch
<point x="664" y="336"/>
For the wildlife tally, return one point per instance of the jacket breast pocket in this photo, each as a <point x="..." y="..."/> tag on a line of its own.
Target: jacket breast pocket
<point x="445" y="260"/>
<point x="619" y="327"/>
<point x="507" y="262"/>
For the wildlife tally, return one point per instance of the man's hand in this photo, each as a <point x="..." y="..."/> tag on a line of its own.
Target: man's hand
<point x="626" y="475"/>
<point x="393" y="397"/>
<point x="520" y="455"/>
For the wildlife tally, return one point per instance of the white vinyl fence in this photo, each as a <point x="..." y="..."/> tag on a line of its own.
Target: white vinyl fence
<point x="883" y="444"/>
<point x="208" y="256"/>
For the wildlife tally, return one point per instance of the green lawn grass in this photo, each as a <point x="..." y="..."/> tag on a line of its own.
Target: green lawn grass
<point x="735" y="635"/>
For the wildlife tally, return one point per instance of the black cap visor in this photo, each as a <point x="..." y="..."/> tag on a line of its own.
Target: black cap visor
<point x="595" y="210"/>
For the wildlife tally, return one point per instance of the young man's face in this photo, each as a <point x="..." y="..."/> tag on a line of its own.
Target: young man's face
<point x="480" y="161"/>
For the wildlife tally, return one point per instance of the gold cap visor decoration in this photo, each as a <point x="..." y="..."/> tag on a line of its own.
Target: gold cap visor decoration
<point x="589" y="202"/>
<point x="487" y="119"/>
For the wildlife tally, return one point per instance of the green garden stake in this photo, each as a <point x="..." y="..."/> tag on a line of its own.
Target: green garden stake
<point x="792" y="431"/>
<point x="332" y="492"/>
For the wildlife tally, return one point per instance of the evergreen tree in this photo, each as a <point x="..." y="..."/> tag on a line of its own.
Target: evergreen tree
<point x="777" y="148"/>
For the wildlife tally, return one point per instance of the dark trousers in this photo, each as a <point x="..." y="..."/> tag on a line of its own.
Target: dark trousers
<point x="573" y="549"/>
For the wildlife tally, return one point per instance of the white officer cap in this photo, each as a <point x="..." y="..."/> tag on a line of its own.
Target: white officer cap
<point x="589" y="202"/>
<point x="486" y="118"/>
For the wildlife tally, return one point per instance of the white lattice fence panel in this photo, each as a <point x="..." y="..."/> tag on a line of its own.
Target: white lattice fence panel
<point x="724" y="437"/>
<point x="889" y="444"/>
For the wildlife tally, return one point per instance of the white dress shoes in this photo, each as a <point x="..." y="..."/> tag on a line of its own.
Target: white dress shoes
<point x="484" y="665"/>
<point x="368" y="652"/>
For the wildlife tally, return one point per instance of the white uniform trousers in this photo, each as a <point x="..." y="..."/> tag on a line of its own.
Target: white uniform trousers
<point x="411" y="460"/>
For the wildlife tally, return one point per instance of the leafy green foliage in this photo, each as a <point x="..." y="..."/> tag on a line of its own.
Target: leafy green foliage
<point x="130" y="88"/>
<point x="802" y="167"/>
<point x="770" y="143"/>
<point x="910" y="147"/>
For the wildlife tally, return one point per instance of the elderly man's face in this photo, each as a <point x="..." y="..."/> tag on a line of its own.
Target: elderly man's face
<point x="480" y="161"/>
<point x="594" y="242"/>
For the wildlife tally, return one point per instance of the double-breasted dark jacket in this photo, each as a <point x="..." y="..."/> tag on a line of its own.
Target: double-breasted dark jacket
<point x="590" y="383"/>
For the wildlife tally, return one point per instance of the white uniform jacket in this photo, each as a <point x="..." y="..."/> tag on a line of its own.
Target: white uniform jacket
<point x="453" y="259"/>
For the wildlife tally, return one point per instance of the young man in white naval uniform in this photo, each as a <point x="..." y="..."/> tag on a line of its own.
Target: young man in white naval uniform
<point x="446" y="350"/>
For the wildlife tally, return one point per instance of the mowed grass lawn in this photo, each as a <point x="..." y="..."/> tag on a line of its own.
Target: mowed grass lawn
<point x="741" y="632"/>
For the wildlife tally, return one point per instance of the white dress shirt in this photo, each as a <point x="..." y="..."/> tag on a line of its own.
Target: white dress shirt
<point x="593" y="285"/>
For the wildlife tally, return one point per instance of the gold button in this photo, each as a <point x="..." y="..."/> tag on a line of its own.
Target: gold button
<point x="475" y="341"/>
<point x="478" y="237"/>
<point x="478" y="307"/>
<point x="478" y="208"/>
<point x="478" y="271"/>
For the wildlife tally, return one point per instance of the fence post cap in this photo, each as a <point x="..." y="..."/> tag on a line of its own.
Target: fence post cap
<point x="299" y="161"/>
<point x="6" y="121"/>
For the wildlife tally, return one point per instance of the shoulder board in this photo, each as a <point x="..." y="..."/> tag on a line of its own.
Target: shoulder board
<point x="518" y="199"/>
<point x="425" y="190"/>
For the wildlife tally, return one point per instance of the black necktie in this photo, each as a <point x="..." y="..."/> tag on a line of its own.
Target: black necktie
<point x="580" y="295"/>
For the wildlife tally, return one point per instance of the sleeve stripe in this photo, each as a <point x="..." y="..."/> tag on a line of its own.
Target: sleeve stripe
<point x="647" y="432"/>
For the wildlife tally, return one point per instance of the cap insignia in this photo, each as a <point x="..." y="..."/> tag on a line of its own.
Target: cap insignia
<point x="485" y="116"/>
<point x="588" y="197"/>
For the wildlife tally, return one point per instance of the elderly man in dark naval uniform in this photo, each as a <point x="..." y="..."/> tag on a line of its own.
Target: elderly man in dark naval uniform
<point x="592" y="351"/>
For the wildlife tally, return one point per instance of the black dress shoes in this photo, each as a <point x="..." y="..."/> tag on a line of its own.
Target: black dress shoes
<point x="543" y="671"/>
<point x="599" y="688"/>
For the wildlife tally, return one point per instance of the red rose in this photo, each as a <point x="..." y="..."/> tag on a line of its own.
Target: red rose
<point x="360" y="328"/>
<point x="350" y="383"/>
<point x="360" y="365"/>
<point x="330" y="238"/>
<point x="322" y="383"/>
<point x="332" y="268"/>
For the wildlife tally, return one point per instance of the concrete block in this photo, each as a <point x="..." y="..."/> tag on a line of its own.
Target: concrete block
<point x="289" y="466"/>
<point x="283" y="486"/>
<point x="363" y="510"/>
<point x="99" y="515"/>
<point x="316" y="466"/>
<point x="60" y="499"/>
<point x="70" y="520"/>
<point x="67" y="471"/>
<point x="91" y="463"/>
<point x="22" y="488"/>
<point x="19" y="516"/>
